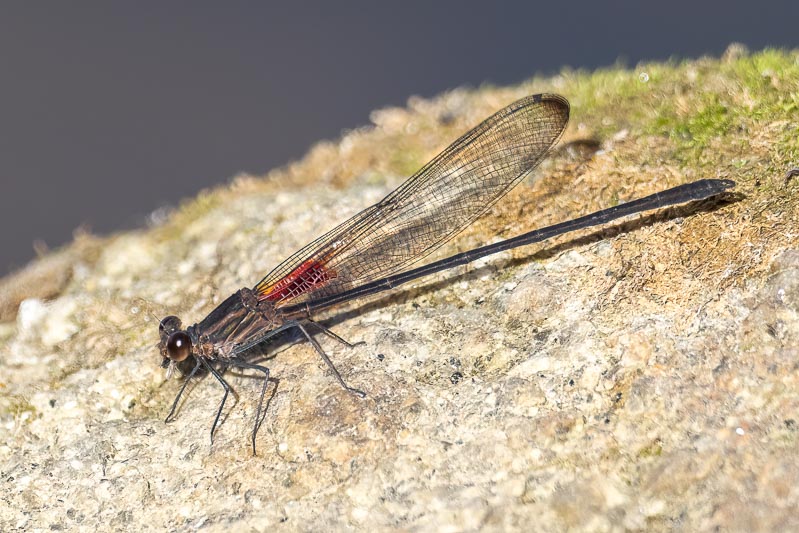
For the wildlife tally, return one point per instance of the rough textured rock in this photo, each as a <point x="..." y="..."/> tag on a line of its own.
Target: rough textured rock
<point x="642" y="377"/>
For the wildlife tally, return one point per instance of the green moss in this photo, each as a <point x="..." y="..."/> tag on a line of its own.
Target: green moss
<point x="608" y="98"/>
<point x="199" y="206"/>
<point x="405" y="162"/>
<point x="189" y="211"/>
<point x="758" y="72"/>
<point x="710" y="120"/>
<point x="16" y="406"/>
<point x="653" y="449"/>
<point x="706" y="108"/>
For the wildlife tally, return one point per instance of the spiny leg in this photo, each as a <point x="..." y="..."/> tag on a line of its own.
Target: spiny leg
<point x="265" y="370"/>
<point x="225" y="385"/>
<point x="333" y="336"/>
<point x="180" y="392"/>
<point x="327" y="360"/>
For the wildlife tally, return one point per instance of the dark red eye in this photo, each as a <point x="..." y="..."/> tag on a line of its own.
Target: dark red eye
<point x="178" y="346"/>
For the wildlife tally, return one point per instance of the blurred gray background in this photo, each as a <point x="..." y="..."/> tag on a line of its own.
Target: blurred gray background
<point x="110" y="110"/>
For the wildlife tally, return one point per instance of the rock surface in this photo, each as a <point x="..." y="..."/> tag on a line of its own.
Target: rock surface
<point x="640" y="377"/>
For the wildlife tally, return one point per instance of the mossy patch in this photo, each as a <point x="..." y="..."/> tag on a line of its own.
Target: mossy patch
<point x="17" y="407"/>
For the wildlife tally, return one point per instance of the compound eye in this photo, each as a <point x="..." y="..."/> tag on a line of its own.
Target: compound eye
<point x="169" y="324"/>
<point x="178" y="346"/>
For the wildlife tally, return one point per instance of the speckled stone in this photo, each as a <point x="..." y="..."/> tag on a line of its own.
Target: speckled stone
<point x="620" y="381"/>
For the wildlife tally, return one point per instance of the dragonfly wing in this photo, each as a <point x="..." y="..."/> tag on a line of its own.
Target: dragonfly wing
<point x="432" y="206"/>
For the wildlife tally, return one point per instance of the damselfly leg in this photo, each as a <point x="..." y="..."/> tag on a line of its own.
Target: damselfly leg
<point x="327" y="360"/>
<point x="333" y="336"/>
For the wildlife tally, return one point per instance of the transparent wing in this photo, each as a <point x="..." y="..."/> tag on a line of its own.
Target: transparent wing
<point x="433" y="205"/>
